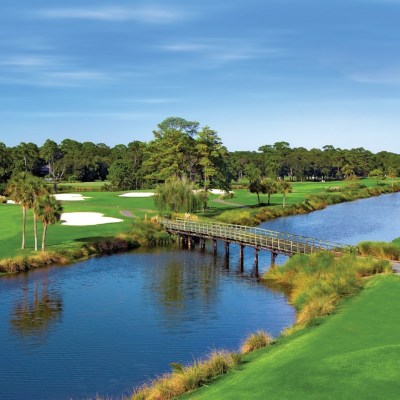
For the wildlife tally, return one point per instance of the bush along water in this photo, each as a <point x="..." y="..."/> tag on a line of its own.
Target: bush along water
<point x="23" y="263"/>
<point x="143" y="233"/>
<point x="254" y="216"/>
<point x="388" y="251"/>
<point x="317" y="283"/>
<point x="184" y="379"/>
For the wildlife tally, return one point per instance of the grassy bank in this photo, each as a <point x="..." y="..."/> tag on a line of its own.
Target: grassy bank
<point x="142" y="233"/>
<point x="303" y="200"/>
<point x="352" y="355"/>
<point x="316" y="283"/>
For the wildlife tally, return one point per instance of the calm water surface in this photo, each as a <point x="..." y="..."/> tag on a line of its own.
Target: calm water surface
<point x="107" y="324"/>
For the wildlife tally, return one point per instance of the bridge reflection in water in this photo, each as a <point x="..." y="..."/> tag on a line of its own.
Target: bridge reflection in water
<point x="188" y="232"/>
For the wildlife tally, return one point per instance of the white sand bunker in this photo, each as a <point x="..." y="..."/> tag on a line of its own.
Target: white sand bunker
<point x="137" y="194"/>
<point x="218" y="191"/>
<point x="70" y="197"/>
<point x="86" y="218"/>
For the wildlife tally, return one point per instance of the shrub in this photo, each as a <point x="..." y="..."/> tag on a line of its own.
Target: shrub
<point x="3" y="199"/>
<point x="188" y="378"/>
<point x="319" y="281"/>
<point x="256" y="341"/>
<point x="389" y="251"/>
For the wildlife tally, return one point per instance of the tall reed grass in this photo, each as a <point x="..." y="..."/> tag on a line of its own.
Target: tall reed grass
<point x="388" y="251"/>
<point x="188" y="378"/>
<point x="318" y="282"/>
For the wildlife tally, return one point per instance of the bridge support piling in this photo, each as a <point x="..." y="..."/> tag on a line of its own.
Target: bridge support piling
<point x="202" y="243"/>
<point x="227" y="249"/>
<point x="256" y="250"/>
<point x="273" y="258"/>
<point x="190" y="242"/>
<point x="214" y="246"/>
<point x="241" y="257"/>
<point x="256" y="258"/>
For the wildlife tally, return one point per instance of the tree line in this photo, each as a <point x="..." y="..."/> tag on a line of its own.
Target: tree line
<point x="182" y="148"/>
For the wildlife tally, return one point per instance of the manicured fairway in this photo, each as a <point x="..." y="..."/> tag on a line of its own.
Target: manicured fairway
<point x="59" y="236"/>
<point x="355" y="354"/>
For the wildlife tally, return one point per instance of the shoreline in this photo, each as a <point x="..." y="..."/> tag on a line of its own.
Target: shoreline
<point x="124" y="242"/>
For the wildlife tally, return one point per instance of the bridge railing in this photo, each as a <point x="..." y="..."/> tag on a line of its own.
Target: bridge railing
<point x="283" y="242"/>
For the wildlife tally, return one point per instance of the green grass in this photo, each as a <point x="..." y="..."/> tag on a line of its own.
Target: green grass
<point x="353" y="355"/>
<point x="60" y="236"/>
<point x="108" y="203"/>
<point x="299" y="194"/>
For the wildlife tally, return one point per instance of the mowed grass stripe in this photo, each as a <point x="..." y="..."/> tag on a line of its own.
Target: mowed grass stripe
<point x="355" y="354"/>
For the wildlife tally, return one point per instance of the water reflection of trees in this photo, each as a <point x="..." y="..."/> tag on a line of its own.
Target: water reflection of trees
<point x="179" y="283"/>
<point x="37" y="310"/>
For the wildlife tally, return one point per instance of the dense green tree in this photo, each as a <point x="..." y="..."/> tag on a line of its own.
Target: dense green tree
<point x="26" y="158"/>
<point x="52" y="154"/>
<point x="121" y="175"/>
<point x="253" y="174"/>
<point x="6" y="163"/>
<point x="269" y="187"/>
<point x="212" y="158"/>
<point x="377" y="173"/>
<point x="172" y="152"/>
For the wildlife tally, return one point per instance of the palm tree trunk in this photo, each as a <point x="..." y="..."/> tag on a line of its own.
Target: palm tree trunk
<point x="35" y="229"/>
<point x="44" y="236"/>
<point x="269" y="199"/>
<point x="284" y="200"/>
<point x="258" y="196"/>
<point x="23" y="227"/>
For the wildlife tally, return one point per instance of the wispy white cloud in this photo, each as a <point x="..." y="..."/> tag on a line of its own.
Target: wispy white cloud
<point x="80" y="115"/>
<point x="28" y="61"/>
<point x="154" y="15"/>
<point x="383" y="77"/>
<point x="220" y="51"/>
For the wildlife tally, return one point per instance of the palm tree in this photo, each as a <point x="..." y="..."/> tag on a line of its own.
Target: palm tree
<point x="284" y="187"/>
<point x="18" y="190"/>
<point x="48" y="210"/>
<point x="37" y="188"/>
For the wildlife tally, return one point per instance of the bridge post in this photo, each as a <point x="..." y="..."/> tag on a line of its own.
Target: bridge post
<point x="227" y="249"/>
<point x="273" y="258"/>
<point x="214" y="246"/>
<point x="202" y="243"/>
<point x="190" y="242"/>
<point x="241" y="257"/>
<point x="256" y="250"/>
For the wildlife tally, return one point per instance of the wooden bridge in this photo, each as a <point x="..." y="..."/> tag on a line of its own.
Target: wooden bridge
<point x="260" y="239"/>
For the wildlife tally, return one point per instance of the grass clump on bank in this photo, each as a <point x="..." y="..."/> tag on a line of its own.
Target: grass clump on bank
<point x="318" y="282"/>
<point x="256" y="341"/>
<point x="188" y="378"/>
<point x="388" y="251"/>
<point x="185" y="379"/>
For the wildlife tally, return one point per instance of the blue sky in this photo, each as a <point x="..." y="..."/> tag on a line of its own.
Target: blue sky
<point x="258" y="71"/>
